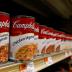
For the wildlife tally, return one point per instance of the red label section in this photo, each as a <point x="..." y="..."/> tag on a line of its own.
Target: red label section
<point x="43" y="31"/>
<point x="4" y="22"/>
<point x="22" y="26"/>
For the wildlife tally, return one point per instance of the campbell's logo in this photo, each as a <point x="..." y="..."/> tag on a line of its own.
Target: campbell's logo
<point x="44" y="32"/>
<point x="4" y="24"/>
<point x="16" y="24"/>
<point x="36" y="29"/>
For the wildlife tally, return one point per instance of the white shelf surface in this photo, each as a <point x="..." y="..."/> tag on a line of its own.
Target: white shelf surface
<point x="8" y="64"/>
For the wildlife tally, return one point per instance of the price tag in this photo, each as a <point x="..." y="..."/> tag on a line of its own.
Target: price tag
<point x="66" y="54"/>
<point x="30" y="67"/>
<point x="50" y="61"/>
<point x="70" y="53"/>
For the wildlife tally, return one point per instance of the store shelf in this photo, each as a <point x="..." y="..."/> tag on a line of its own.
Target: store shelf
<point x="55" y="59"/>
<point x="38" y="63"/>
<point x="9" y="67"/>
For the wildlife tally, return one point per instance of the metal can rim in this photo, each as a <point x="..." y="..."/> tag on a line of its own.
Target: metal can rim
<point x="1" y="12"/>
<point x="25" y="16"/>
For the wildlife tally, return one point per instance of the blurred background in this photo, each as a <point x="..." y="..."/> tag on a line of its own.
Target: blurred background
<point x="52" y="13"/>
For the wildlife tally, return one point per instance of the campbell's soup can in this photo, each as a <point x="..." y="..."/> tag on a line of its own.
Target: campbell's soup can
<point x="50" y="41"/>
<point x="4" y="36"/>
<point x="58" y="44"/>
<point x="36" y="29"/>
<point x="22" y="38"/>
<point x="42" y="39"/>
<point x="36" y="36"/>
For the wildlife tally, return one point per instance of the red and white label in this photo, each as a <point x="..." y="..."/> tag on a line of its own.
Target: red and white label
<point x="4" y="36"/>
<point x="22" y="38"/>
<point x="36" y="36"/>
<point x="42" y="39"/>
<point x="22" y="25"/>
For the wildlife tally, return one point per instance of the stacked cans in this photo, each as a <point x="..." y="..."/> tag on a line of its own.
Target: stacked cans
<point x="4" y="36"/>
<point x="29" y="39"/>
<point x="22" y="38"/>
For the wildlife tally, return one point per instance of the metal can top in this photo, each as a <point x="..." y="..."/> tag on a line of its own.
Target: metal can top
<point x="24" y="16"/>
<point x="4" y="13"/>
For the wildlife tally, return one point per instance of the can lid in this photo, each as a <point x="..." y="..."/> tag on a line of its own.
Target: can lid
<point x="23" y="16"/>
<point x="4" y="13"/>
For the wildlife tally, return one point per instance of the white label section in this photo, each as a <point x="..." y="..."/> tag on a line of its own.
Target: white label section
<point x="16" y="42"/>
<point x="50" y="42"/>
<point x="63" y="45"/>
<point x="41" y="44"/>
<point x="68" y="44"/>
<point x="36" y="40"/>
<point x="4" y="38"/>
<point x="57" y="43"/>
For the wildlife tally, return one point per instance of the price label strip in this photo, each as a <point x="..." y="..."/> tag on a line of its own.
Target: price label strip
<point x="50" y="61"/>
<point x="70" y="53"/>
<point x="30" y="67"/>
<point x="66" y="54"/>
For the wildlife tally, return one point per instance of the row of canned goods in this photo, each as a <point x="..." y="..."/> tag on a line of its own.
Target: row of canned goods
<point x="24" y="38"/>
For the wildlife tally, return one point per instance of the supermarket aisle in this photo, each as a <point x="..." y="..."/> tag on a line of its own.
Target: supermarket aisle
<point x="54" y="21"/>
